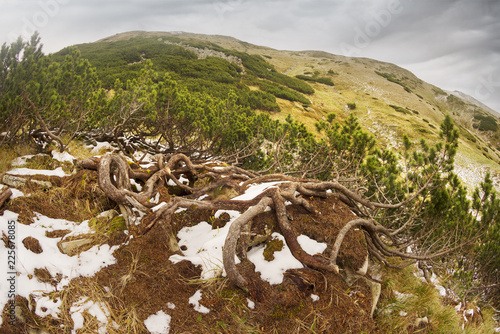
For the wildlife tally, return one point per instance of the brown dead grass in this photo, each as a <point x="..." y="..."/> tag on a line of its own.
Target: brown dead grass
<point x="76" y="198"/>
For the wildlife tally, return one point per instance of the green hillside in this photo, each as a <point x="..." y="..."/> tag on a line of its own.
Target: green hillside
<point x="389" y="101"/>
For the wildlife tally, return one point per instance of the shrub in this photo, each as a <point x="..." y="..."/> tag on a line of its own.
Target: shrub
<point x="351" y="105"/>
<point x="486" y="123"/>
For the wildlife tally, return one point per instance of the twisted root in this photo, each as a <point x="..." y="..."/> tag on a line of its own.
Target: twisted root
<point x="114" y="179"/>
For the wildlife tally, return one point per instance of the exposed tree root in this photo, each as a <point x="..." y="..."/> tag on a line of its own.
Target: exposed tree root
<point x="114" y="179"/>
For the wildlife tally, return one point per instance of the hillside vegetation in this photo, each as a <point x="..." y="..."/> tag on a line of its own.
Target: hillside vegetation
<point x="375" y="87"/>
<point x="191" y="122"/>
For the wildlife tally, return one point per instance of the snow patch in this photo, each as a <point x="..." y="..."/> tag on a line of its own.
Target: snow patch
<point x="28" y="171"/>
<point x="158" y="323"/>
<point x="62" y="157"/>
<point x="250" y="304"/>
<point x="21" y="161"/>
<point x="68" y="267"/>
<point x="97" y="310"/>
<point x="273" y="271"/>
<point x="195" y="301"/>
<point x="101" y="146"/>
<point x="204" y="245"/>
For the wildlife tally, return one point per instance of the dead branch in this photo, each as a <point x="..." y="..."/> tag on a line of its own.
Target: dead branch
<point x="4" y="196"/>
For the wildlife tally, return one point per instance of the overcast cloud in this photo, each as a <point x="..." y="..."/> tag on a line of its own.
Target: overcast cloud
<point x="454" y="44"/>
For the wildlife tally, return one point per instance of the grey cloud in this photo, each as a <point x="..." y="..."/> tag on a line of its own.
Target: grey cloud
<point x="452" y="43"/>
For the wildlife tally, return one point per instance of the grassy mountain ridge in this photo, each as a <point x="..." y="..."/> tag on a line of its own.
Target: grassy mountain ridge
<point x="389" y="100"/>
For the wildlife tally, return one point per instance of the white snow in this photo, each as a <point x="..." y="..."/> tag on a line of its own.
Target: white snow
<point x="137" y="185"/>
<point x="101" y="146"/>
<point x="85" y="264"/>
<point x="283" y="260"/>
<point x="16" y="193"/>
<point x="97" y="310"/>
<point x="254" y="190"/>
<point x="158" y="323"/>
<point x="28" y="171"/>
<point x="46" y="306"/>
<point x="442" y="290"/>
<point x="204" y="246"/>
<point x="195" y="301"/>
<point x="62" y="157"/>
<point x="21" y="161"/>
<point x="146" y="161"/>
<point x="183" y="180"/>
<point x="250" y="304"/>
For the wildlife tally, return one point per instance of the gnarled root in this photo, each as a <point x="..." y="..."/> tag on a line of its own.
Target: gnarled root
<point x="114" y="179"/>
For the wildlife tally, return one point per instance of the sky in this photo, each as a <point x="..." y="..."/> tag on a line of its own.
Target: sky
<point x="453" y="44"/>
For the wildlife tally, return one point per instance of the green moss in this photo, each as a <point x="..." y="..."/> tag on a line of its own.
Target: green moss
<point x="273" y="245"/>
<point x="117" y="224"/>
<point x="281" y="312"/>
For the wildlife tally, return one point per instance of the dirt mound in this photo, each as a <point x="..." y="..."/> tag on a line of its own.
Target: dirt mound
<point x="143" y="281"/>
<point x="307" y="299"/>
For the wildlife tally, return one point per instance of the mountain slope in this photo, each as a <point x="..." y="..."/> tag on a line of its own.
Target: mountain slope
<point x="389" y="100"/>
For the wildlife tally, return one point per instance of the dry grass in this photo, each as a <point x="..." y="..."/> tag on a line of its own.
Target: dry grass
<point x="79" y="199"/>
<point x="79" y="150"/>
<point x="9" y="153"/>
<point x="405" y="299"/>
<point x="121" y="318"/>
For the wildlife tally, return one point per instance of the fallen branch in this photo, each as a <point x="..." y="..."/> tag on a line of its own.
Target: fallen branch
<point x="4" y="196"/>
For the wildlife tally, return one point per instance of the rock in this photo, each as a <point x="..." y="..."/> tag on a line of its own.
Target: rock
<point x="18" y="182"/>
<point x="33" y="245"/>
<point x="14" y="181"/>
<point x="110" y="214"/>
<point x="376" y="289"/>
<point x="43" y="184"/>
<point x="364" y="269"/>
<point x="73" y="247"/>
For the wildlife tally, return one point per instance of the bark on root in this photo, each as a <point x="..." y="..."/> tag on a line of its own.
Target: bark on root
<point x="115" y="174"/>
